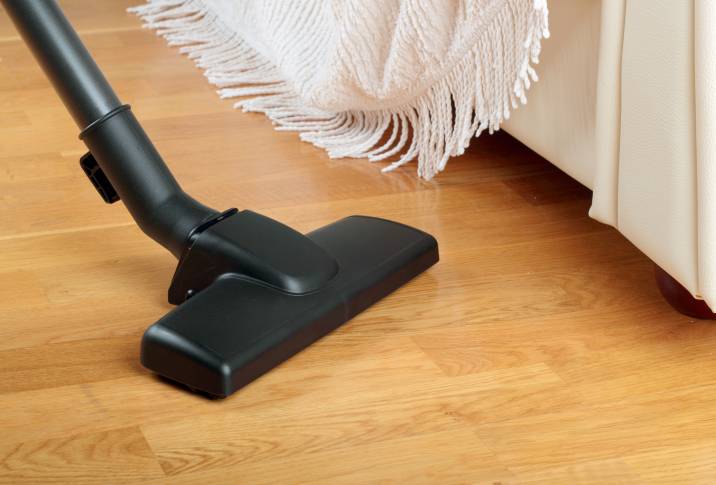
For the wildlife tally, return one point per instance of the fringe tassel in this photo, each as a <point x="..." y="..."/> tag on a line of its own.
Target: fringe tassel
<point x="476" y="95"/>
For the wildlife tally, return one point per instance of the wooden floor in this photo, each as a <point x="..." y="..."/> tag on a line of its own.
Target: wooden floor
<point x="537" y="351"/>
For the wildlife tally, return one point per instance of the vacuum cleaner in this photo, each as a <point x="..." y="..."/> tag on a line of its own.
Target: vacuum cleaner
<point x="250" y="291"/>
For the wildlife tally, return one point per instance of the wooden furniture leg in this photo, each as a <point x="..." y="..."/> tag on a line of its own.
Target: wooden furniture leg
<point x="680" y="298"/>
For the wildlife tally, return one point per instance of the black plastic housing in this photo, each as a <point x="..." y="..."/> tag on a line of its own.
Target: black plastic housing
<point x="258" y="248"/>
<point x="238" y="328"/>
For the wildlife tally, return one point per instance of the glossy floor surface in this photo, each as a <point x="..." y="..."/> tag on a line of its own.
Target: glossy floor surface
<point x="537" y="351"/>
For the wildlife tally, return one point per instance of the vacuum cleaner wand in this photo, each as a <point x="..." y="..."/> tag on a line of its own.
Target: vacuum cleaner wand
<point x="116" y="141"/>
<point x="251" y="291"/>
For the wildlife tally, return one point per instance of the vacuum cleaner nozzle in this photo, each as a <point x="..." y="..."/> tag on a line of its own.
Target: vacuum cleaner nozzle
<point x="251" y="291"/>
<point x="242" y="325"/>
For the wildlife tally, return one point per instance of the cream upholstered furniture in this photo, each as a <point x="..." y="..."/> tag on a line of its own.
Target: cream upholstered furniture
<point x="626" y="104"/>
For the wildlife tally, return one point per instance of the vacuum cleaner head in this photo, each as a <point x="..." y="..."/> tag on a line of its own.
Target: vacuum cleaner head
<point x="242" y="325"/>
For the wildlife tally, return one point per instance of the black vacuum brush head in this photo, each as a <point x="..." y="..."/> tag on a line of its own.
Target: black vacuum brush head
<point x="240" y="327"/>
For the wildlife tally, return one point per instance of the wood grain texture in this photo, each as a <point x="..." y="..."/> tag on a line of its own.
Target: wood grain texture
<point x="117" y="456"/>
<point x="538" y="350"/>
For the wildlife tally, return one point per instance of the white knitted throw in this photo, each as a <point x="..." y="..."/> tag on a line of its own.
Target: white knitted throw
<point x="380" y="79"/>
